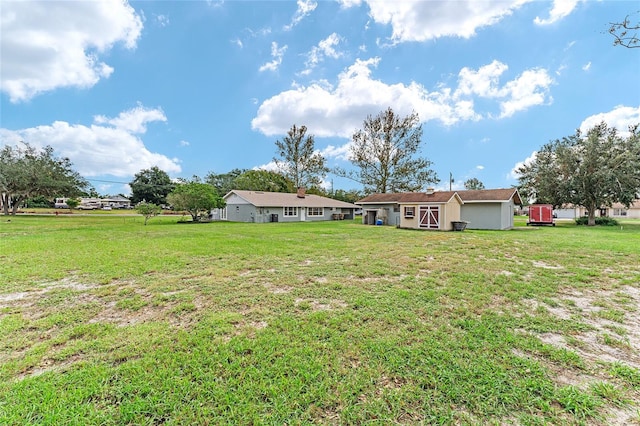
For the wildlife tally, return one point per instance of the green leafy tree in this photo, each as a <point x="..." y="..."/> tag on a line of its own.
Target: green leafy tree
<point x="151" y="185"/>
<point x="196" y="198"/>
<point x="72" y="203"/>
<point x="263" y="180"/>
<point x="27" y="172"/>
<point x="348" y="196"/>
<point x="225" y="182"/>
<point x="148" y="210"/>
<point x="592" y="171"/>
<point x="384" y="153"/>
<point x="298" y="160"/>
<point x="473" y="184"/>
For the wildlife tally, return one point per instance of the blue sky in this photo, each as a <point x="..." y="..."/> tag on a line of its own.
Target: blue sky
<point x="208" y="86"/>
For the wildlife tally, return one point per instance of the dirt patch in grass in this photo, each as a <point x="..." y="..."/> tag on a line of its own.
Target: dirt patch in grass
<point x="612" y="337"/>
<point x="614" y="319"/>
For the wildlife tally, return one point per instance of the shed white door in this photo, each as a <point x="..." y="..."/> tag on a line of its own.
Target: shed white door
<point x="430" y="217"/>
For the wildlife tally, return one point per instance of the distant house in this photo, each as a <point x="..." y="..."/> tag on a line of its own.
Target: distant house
<point x="429" y="210"/>
<point x="260" y="207"/>
<point x="489" y="208"/>
<point x="616" y="211"/>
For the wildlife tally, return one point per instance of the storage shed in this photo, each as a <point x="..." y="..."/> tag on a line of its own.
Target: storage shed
<point x="429" y="210"/>
<point x="489" y="208"/>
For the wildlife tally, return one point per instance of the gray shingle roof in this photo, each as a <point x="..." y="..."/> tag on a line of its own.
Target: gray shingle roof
<point x="283" y="199"/>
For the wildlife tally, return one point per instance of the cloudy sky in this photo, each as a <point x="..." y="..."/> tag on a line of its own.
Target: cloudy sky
<point x="208" y="86"/>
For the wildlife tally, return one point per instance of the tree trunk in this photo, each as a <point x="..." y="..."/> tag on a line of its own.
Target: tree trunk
<point x="5" y="204"/>
<point x="591" y="221"/>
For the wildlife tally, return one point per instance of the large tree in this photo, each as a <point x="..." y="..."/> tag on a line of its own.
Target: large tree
<point x="385" y="152"/>
<point x="593" y="170"/>
<point x="473" y="184"/>
<point x="263" y="180"/>
<point x="298" y="159"/>
<point x="151" y="185"/>
<point x="196" y="198"/>
<point x="224" y="182"/>
<point x="27" y="172"/>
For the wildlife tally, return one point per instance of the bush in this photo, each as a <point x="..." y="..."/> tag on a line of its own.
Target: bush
<point x="41" y="202"/>
<point x="604" y="221"/>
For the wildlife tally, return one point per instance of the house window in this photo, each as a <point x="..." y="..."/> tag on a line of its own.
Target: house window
<point x="223" y="214"/>
<point x="291" y="211"/>
<point x="619" y="212"/>
<point x="409" y="212"/>
<point x="315" y="211"/>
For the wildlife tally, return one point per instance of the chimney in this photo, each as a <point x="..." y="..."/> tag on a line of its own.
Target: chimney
<point x="301" y="192"/>
<point x="430" y="191"/>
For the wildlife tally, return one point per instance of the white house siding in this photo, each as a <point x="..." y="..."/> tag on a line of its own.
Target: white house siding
<point x="493" y="215"/>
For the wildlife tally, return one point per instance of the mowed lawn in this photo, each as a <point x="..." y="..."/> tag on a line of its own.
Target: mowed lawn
<point x="106" y="321"/>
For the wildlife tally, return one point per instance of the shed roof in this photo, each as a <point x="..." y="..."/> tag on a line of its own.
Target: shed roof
<point x="284" y="199"/>
<point x="491" y="195"/>
<point x="409" y="197"/>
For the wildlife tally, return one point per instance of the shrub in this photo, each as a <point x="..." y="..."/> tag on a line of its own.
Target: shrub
<point x="604" y="221"/>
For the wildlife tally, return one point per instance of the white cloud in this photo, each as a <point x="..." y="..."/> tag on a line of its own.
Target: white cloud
<point x="427" y="20"/>
<point x="329" y="110"/>
<point x="184" y="143"/>
<point x="47" y="45"/>
<point x="325" y="48"/>
<point x="162" y="20"/>
<point x="621" y="117"/>
<point x="586" y="67"/>
<point x="305" y="7"/>
<point x="106" y="147"/>
<point x="482" y="82"/>
<point x="560" y="10"/>
<point x="276" y="53"/>
<point x="529" y="89"/>
<point x="480" y="167"/>
<point x="345" y="4"/>
<point x="134" y="120"/>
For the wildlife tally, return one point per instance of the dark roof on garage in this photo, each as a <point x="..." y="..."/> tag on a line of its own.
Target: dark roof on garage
<point x="491" y="195"/>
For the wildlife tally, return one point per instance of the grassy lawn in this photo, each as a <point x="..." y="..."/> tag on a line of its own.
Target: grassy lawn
<point x="106" y="321"/>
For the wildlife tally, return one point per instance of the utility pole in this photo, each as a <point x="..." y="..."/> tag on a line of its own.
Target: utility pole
<point x="450" y="180"/>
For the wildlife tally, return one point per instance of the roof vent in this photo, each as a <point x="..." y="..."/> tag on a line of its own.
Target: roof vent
<point x="430" y="191"/>
<point x="301" y="192"/>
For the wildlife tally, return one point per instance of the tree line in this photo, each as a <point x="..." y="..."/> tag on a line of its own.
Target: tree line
<point x="592" y="170"/>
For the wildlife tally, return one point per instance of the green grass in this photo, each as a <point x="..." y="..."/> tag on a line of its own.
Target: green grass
<point x="106" y="321"/>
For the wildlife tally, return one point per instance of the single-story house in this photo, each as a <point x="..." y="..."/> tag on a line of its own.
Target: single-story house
<point x="616" y="211"/>
<point x="260" y="207"/>
<point x="489" y="208"/>
<point x="418" y="210"/>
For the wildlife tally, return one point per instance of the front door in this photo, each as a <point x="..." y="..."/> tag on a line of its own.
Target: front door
<point x="430" y="217"/>
<point x="303" y="212"/>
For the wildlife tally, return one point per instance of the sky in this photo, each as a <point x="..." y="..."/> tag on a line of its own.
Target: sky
<point x="195" y="87"/>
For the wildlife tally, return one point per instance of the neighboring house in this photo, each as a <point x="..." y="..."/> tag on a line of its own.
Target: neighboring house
<point x="91" y="203"/>
<point x="429" y="210"/>
<point x="259" y="206"/>
<point x="616" y="211"/>
<point x="489" y="208"/>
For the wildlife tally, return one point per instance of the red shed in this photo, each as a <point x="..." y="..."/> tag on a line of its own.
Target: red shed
<point x="541" y="214"/>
